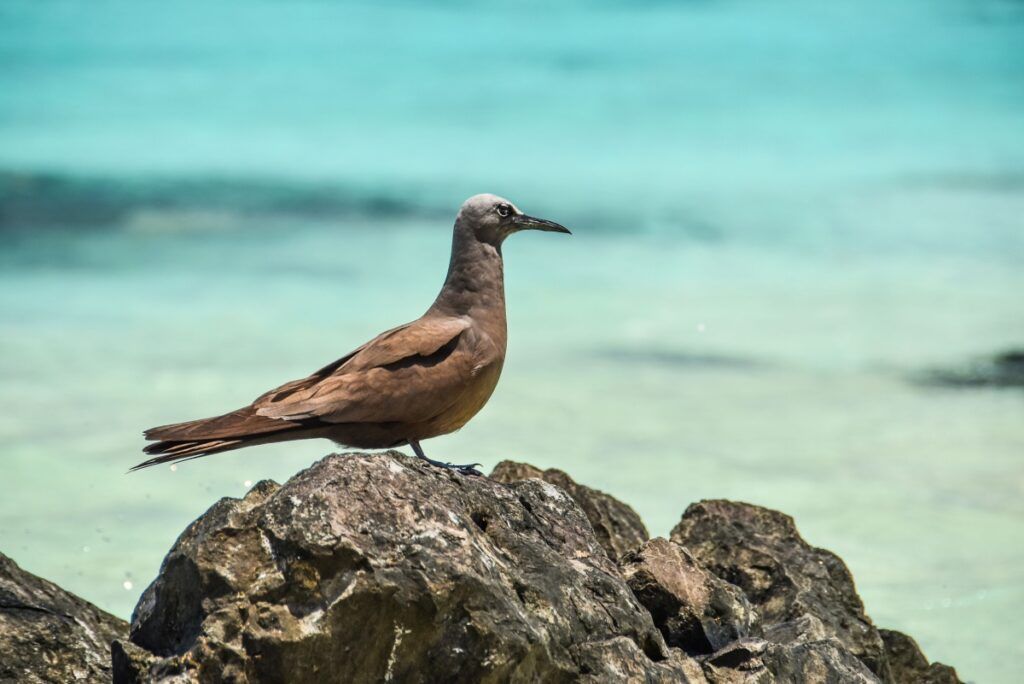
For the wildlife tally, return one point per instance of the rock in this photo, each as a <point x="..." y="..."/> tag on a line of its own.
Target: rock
<point x="801" y="630"/>
<point x="618" y="527"/>
<point x="695" y="610"/>
<point x="757" y="661"/>
<point x="909" y="666"/>
<point x="1004" y="369"/>
<point x="618" y="660"/>
<point x="50" y="635"/>
<point x="367" y="568"/>
<point x="761" y="552"/>
<point x="379" y="568"/>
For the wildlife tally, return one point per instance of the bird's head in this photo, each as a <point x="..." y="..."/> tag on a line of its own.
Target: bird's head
<point x="493" y="218"/>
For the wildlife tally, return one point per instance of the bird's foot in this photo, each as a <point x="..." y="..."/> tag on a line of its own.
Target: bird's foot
<point x="464" y="469"/>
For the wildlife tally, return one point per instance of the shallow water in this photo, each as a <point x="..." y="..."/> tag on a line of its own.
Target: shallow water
<point x="782" y="212"/>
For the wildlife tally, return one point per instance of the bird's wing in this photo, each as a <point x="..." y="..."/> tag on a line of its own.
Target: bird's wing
<point x="408" y="374"/>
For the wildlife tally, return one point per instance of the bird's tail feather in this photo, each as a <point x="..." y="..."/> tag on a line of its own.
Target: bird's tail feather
<point x="244" y="421"/>
<point x="169" y="451"/>
<point x="241" y="428"/>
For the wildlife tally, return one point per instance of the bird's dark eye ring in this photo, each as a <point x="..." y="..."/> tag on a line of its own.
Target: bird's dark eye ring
<point x="504" y="210"/>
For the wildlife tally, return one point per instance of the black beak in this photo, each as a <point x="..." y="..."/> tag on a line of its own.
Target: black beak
<point x="524" y="222"/>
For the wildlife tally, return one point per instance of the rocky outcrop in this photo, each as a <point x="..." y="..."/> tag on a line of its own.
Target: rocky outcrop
<point x="617" y="526"/>
<point x="378" y="568"/>
<point x="713" y="620"/>
<point x="1003" y="369"/>
<point x="908" y="664"/>
<point x="758" y="661"/>
<point x="695" y="610"/>
<point x="786" y="579"/>
<point x="368" y="568"/>
<point x="50" y="635"/>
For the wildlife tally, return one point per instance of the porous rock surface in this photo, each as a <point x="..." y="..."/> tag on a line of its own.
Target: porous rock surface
<point x="616" y="525"/>
<point x="379" y="568"/>
<point x="367" y="568"/>
<point x="804" y="595"/>
<point x="695" y="610"/>
<point x="50" y="635"/>
<point x="761" y="552"/>
<point x="908" y="664"/>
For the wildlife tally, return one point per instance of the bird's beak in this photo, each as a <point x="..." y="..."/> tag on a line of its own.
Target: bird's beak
<point x="524" y="222"/>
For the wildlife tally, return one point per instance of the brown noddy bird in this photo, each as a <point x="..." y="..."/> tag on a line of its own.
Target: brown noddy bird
<point x="413" y="382"/>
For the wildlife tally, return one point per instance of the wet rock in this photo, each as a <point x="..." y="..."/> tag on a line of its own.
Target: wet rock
<point x="618" y="527"/>
<point x="909" y="665"/>
<point x="1005" y="369"/>
<point x="785" y="578"/>
<point x="695" y="610"/>
<point x="50" y="635"/>
<point x="367" y="568"/>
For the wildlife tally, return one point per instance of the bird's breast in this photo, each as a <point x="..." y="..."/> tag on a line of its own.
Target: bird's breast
<point x="473" y="398"/>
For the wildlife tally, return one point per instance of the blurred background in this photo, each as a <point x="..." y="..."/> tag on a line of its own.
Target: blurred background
<point x="798" y="247"/>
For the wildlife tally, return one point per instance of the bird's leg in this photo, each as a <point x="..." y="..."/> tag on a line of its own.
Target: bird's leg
<point x="467" y="469"/>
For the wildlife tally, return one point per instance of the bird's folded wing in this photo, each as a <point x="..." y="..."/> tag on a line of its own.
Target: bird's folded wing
<point x="408" y="374"/>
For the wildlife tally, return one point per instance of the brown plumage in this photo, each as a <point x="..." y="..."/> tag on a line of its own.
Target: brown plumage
<point x="413" y="382"/>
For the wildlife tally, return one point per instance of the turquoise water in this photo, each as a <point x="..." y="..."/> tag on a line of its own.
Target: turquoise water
<point x="782" y="211"/>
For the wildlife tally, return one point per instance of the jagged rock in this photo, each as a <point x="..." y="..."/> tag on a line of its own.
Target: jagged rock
<point x="375" y="568"/>
<point x="695" y="610"/>
<point x="760" y="551"/>
<point x="801" y="630"/>
<point x="50" y="635"/>
<point x="909" y="665"/>
<point x="757" y="661"/>
<point x="379" y="568"/>
<point x="618" y="527"/>
<point x="619" y="660"/>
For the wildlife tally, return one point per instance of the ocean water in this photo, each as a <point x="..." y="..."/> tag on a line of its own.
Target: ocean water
<point x="784" y="212"/>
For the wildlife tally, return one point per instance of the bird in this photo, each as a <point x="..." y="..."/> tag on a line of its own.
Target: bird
<point x="410" y="383"/>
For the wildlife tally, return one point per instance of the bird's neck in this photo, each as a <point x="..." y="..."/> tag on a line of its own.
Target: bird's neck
<point x="475" y="284"/>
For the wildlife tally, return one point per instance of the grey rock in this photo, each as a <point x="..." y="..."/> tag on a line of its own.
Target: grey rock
<point x="367" y="568"/>
<point x="695" y="610"/>
<point x="760" y="551"/>
<point x="50" y="635"/>
<point x="619" y="660"/>
<point x="757" y="661"/>
<point x="378" y="568"/>
<point x="801" y="630"/>
<point x="910" y="666"/>
<point x="618" y="527"/>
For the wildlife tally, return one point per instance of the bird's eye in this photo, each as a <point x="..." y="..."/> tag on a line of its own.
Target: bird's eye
<point x="504" y="210"/>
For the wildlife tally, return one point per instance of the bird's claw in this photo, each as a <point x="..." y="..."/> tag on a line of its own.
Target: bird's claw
<point x="464" y="469"/>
